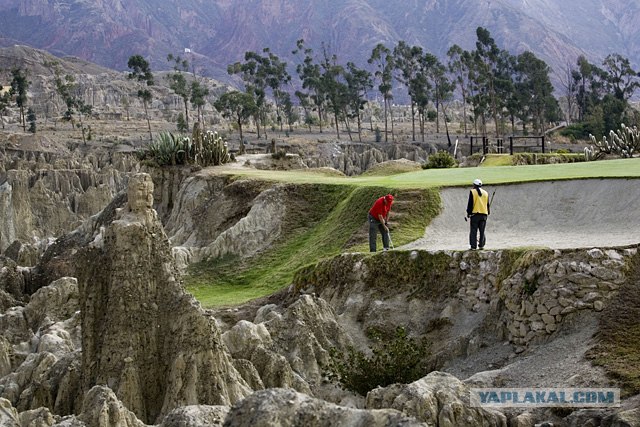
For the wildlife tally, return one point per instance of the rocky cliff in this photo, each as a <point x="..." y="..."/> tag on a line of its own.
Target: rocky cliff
<point x="121" y="343"/>
<point x="43" y="195"/>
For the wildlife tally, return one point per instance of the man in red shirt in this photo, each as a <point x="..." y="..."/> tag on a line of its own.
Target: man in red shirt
<point x="378" y="221"/>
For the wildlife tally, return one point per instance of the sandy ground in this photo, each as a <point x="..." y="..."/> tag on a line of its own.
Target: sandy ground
<point x="554" y="214"/>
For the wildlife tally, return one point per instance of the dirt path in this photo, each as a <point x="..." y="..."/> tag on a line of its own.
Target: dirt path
<point x="555" y="214"/>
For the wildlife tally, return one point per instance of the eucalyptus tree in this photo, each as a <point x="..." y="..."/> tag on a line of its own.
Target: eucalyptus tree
<point x="277" y="76"/>
<point x="254" y="77"/>
<point x="198" y="99"/>
<point x="491" y="65"/>
<point x="382" y="58"/>
<point x="311" y="76"/>
<point x="70" y="92"/>
<point x="334" y="87"/>
<point x="19" y="87"/>
<point x="570" y="90"/>
<point x="178" y="82"/>
<point x="141" y="72"/>
<point x="359" y="82"/>
<point x="239" y="106"/>
<point x="592" y="84"/>
<point x="259" y="74"/>
<point x="305" y="102"/>
<point x="422" y="88"/>
<point x="534" y="91"/>
<point x="65" y="86"/>
<point x="458" y="66"/>
<point x="621" y="78"/>
<point x="407" y="60"/>
<point x="443" y="94"/>
<point x="288" y="111"/>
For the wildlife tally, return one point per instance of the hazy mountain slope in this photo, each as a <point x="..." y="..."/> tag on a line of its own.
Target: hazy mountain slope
<point x="220" y="31"/>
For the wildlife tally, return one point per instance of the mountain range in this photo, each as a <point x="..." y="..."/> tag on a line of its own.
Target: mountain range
<point x="218" y="32"/>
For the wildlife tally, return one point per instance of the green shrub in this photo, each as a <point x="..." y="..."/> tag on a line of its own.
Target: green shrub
<point x="440" y="160"/>
<point x="399" y="360"/>
<point x="279" y="155"/>
<point x="575" y="131"/>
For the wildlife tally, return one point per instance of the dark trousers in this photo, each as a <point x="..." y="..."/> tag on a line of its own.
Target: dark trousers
<point x="374" y="227"/>
<point x="478" y="223"/>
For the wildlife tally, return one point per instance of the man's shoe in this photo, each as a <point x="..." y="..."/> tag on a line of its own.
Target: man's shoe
<point x="481" y="247"/>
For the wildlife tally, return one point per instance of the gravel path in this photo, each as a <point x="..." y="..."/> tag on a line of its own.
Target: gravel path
<point x="553" y="214"/>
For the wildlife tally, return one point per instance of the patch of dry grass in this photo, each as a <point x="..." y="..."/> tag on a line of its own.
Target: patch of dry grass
<point x="618" y="339"/>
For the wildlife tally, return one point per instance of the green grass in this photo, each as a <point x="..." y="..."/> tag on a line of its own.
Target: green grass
<point x="340" y="213"/>
<point x="622" y="168"/>
<point x="497" y="160"/>
<point x="326" y="215"/>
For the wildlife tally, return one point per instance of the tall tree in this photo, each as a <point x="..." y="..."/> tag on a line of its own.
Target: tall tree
<point x="535" y="91"/>
<point x="570" y="91"/>
<point x="359" y="82"/>
<point x="256" y="72"/>
<point x="407" y="60"/>
<point x="19" y="88"/>
<point x="141" y="72"/>
<point x="199" y="93"/>
<point x="334" y="87"/>
<point x="621" y="78"/>
<point x="382" y="58"/>
<point x="277" y="77"/>
<point x="178" y="82"/>
<point x="458" y="66"/>
<point x="311" y="77"/>
<point x="68" y="89"/>
<point x="443" y="93"/>
<point x="238" y="106"/>
<point x="492" y="65"/>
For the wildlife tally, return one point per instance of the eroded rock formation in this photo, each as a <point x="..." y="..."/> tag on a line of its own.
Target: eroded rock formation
<point x="142" y="335"/>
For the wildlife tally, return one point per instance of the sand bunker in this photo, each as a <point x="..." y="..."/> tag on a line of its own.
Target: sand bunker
<point x="553" y="214"/>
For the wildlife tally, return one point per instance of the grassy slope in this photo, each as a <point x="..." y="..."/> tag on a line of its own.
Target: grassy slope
<point x="327" y="212"/>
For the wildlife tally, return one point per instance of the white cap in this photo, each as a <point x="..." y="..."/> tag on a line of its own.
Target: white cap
<point x="477" y="182"/>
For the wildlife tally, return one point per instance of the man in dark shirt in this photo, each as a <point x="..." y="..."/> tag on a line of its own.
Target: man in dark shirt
<point x="478" y="208"/>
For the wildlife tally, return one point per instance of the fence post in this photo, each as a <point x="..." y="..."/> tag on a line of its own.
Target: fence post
<point x="471" y="145"/>
<point x="485" y="145"/>
<point x="542" y="144"/>
<point x="511" y="145"/>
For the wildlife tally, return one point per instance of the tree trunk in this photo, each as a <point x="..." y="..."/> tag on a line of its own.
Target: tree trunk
<point x="146" y="113"/>
<point x="386" y="139"/>
<point x="413" y="122"/>
<point x="393" y="136"/>
<point x="186" y="113"/>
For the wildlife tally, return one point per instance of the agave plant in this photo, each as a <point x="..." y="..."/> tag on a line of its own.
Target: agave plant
<point x="169" y="149"/>
<point x="203" y="148"/>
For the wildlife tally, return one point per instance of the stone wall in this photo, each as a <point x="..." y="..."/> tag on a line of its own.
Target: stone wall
<point x="524" y="294"/>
